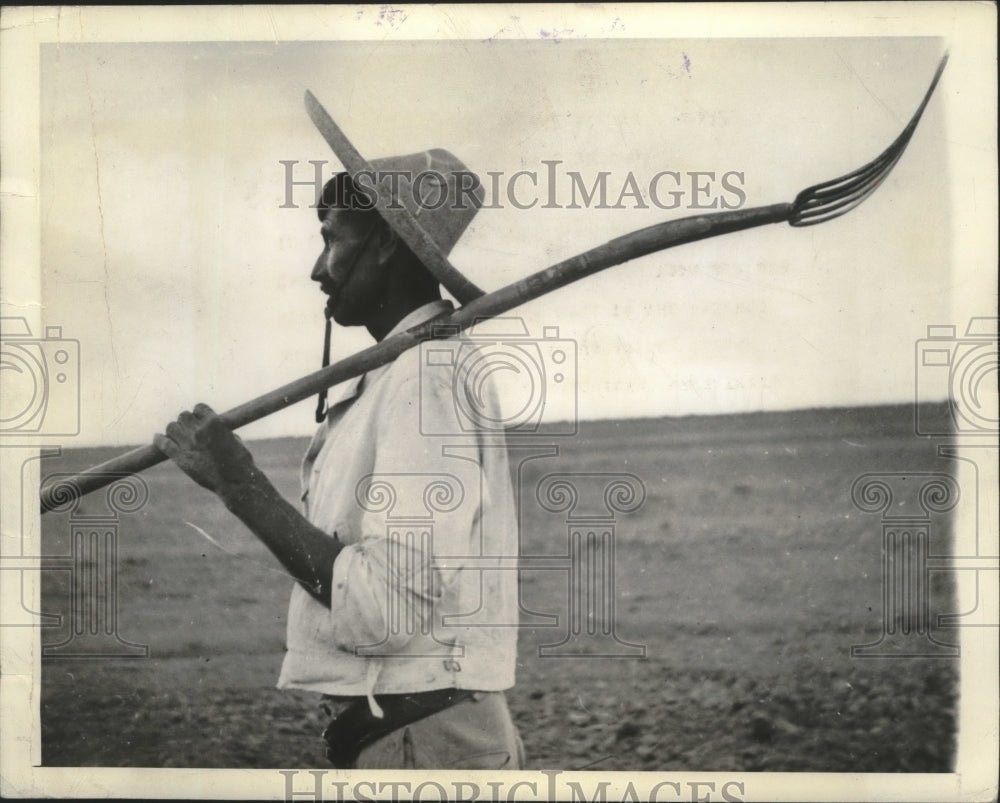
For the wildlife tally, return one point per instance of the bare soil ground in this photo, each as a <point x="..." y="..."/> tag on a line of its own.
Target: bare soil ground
<point x="747" y="575"/>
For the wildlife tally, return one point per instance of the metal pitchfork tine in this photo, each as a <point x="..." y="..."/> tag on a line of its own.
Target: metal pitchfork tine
<point x="814" y="205"/>
<point x="831" y="199"/>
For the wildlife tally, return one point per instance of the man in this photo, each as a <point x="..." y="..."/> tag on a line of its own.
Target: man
<point x="404" y="616"/>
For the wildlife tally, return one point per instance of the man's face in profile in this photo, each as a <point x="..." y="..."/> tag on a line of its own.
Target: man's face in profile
<point x="351" y="268"/>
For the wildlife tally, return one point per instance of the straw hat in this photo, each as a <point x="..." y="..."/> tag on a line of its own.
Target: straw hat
<point x="428" y="198"/>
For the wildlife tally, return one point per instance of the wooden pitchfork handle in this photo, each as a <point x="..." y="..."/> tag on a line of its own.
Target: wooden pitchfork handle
<point x="816" y="204"/>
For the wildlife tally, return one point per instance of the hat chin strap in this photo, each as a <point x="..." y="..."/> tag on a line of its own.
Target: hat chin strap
<point x="321" y="408"/>
<point x="321" y="400"/>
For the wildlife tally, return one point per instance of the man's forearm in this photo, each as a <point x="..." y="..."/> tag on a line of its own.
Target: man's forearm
<point x="306" y="551"/>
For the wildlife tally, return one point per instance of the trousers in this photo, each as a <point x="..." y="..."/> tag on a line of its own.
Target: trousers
<point x="475" y="734"/>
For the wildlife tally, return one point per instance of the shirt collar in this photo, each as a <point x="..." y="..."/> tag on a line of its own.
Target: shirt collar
<point x="421" y="315"/>
<point x="418" y="316"/>
<point x="350" y="388"/>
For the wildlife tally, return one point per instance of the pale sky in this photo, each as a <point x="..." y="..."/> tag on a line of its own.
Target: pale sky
<point x="166" y="254"/>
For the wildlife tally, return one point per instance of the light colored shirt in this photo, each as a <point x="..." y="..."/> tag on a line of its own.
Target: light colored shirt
<point x="424" y="594"/>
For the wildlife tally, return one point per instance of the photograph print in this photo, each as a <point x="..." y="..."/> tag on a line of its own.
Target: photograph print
<point x="604" y="401"/>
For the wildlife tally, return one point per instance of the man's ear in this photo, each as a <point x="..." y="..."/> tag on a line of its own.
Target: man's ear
<point x="386" y="242"/>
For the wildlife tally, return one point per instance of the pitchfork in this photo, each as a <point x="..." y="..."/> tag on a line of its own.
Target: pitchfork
<point x="816" y="204"/>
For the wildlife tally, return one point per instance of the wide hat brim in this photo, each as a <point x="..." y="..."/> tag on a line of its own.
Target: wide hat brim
<point x="401" y="219"/>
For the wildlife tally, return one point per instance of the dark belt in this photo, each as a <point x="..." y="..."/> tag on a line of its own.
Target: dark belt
<point x="355" y="728"/>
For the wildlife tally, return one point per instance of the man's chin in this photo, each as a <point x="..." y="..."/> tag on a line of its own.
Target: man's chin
<point x="336" y="311"/>
<point x="340" y="315"/>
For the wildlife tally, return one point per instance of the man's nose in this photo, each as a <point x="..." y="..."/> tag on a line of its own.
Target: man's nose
<point x="320" y="268"/>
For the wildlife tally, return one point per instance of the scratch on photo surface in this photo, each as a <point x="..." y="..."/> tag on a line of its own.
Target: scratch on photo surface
<point x="12" y="194"/>
<point x="100" y="212"/>
<point x="130" y="401"/>
<point x="23" y="304"/>
<point x="219" y="546"/>
<point x="865" y="86"/>
<point x="514" y="24"/>
<point x="270" y="22"/>
<point x="35" y="17"/>
<point x="590" y="764"/>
